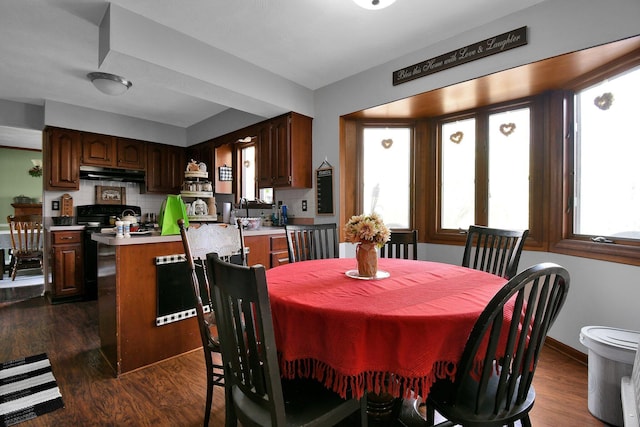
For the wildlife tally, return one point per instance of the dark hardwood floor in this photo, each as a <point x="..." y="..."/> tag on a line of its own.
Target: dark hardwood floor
<point x="172" y="393"/>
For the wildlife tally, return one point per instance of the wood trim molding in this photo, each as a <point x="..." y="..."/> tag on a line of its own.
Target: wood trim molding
<point x="566" y="350"/>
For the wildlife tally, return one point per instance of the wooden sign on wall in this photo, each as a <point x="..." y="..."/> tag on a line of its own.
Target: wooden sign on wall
<point x="490" y="46"/>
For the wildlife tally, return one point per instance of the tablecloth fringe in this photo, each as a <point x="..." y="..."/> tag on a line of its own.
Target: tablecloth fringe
<point x="372" y="381"/>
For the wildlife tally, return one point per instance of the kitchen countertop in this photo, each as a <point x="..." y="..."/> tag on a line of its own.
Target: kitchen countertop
<point x="155" y="237"/>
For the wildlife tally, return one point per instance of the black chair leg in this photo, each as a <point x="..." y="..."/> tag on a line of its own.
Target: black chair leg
<point x="207" y="408"/>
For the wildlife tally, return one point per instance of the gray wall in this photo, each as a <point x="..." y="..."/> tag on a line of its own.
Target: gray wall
<point x="602" y="293"/>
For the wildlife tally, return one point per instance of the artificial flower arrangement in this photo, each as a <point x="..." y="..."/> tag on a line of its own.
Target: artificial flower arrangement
<point x="367" y="229"/>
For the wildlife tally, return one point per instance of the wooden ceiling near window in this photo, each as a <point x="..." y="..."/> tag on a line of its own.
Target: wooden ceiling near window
<point x="531" y="79"/>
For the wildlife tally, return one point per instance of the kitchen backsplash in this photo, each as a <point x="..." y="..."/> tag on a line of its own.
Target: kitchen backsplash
<point x="152" y="202"/>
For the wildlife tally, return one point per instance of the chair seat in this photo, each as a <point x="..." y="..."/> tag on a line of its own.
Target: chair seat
<point x="307" y="403"/>
<point x="463" y="411"/>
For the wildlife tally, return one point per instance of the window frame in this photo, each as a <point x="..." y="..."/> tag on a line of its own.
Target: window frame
<point x="551" y="218"/>
<point x="537" y="181"/>
<point x="562" y="237"/>
<point x="360" y="126"/>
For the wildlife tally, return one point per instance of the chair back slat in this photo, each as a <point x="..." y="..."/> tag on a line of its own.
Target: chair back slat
<point x="494" y="250"/>
<point x="401" y="244"/>
<point x="200" y="286"/>
<point x="308" y="242"/>
<point x="501" y="354"/>
<point x="26" y="243"/>
<point x="247" y="338"/>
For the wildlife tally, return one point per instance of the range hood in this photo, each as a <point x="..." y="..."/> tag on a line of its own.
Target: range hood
<point x="111" y="174"/>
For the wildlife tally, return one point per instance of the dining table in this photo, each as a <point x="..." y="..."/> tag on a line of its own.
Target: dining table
<point x="394" y="335"/>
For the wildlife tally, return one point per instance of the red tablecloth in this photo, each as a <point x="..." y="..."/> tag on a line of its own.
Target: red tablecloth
<point x="393" y="335"/>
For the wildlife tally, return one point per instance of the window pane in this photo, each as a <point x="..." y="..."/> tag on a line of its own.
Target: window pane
<point x="509" y="141"/>
<point x="607" y="179"/>
<point x="458" y="174"/>
<point x="249" y="172"/>
<point x="386" y="174"/>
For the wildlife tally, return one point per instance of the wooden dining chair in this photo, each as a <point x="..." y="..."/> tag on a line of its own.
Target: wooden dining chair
<point x="210" y="343"/>
<point x="494" y="250"/>
<point x="255" y="393"/>
<point x="401" y="244"/>
<point x="316" y="241"/>
<point x="492" y="385"/>
<point x="26" y="245"/>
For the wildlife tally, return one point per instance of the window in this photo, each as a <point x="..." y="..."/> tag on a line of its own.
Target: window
<point x="247" y="154"/>
<point x="386" y="174"/>
<point x="607" y="149"/>
<point x="484" y="169"/>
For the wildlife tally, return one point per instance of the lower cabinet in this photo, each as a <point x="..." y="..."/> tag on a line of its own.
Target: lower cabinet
<point x="279" y="252"/>
<point x="269" y="250"/>
<point x="66" y="248"/>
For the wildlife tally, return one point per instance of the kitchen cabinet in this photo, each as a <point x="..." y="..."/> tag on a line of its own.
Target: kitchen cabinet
<point x="279" y="252"/>
<point x="284" y="152"/>
<point x="108" y="151"/>
<point x="61" y="159"/>
<point x="98" y="150"/>
<point x="165" y="168"/>
<point x="66" y="248"/>
<point x="131" y="154"/>
<point x="269" y="250"/>
<point x="258" y="250"/>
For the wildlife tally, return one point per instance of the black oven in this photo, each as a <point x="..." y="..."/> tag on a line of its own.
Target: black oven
<point x="95" y="218"/>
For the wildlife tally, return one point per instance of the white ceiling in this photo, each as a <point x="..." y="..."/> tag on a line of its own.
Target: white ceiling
<point x="192" y="59"/>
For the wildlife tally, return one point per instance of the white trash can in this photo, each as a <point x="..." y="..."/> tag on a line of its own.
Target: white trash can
<point x="611" y="355"/>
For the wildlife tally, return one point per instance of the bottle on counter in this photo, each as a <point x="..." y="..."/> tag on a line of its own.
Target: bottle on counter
<point x="126" y="229"/>
<point x="119" y="229"/>
<point x="283" y="215"/>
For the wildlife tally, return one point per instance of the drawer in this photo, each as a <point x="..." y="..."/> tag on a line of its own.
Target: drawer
<point x="279" y="258"/>
<point x="278" y="243"/>
<point x="66" y="237"/>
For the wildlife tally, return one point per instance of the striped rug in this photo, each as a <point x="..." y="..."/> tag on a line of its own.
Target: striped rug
<point x="27" y="389"/>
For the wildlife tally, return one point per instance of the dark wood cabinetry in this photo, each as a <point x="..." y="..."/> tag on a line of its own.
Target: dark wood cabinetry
<point x="108" y="151"/>
<point x="165" y="168"/>
<point x="98" y="150"/>
<point x="66" y="248"/>
<point x="284" y="152"/>
<point x="132" y="154"/>
<point x="61" y="154"/>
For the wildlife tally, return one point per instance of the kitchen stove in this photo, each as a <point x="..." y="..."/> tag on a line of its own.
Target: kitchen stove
<point x="100" y="213"/>
<point x="87" y="215"/>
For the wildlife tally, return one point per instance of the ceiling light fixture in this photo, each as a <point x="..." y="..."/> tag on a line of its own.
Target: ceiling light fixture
<point x="374" y="4"/>
<point x="109" y="84"/>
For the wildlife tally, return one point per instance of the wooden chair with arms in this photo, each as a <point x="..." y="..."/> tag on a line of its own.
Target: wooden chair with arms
<point x="316" y="241"/>
<point x="210" y="343"/>
<point x="255" y="393"/>
<point x="26" y="244"/>
<point x="401" y="244"/>
<point x="494" y="250"/>
<point x="492" y="385"/>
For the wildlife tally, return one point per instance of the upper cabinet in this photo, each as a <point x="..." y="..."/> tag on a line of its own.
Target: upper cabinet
<point x="61" y="156"/>
<point x="109" y="151"/>
<point x="131" y="154"/>
<point x="98" y="150"/>
<point x="165" y="168"/>
<point x="284" y="152"/>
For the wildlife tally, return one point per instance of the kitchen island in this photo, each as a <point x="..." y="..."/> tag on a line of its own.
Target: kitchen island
<point x="131" y="334"/>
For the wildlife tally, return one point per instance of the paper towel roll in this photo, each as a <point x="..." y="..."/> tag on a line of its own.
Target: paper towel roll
<point x="226" y="212"/>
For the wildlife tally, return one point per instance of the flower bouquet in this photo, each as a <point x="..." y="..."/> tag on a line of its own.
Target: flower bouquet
<point x="369" y="233"/>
